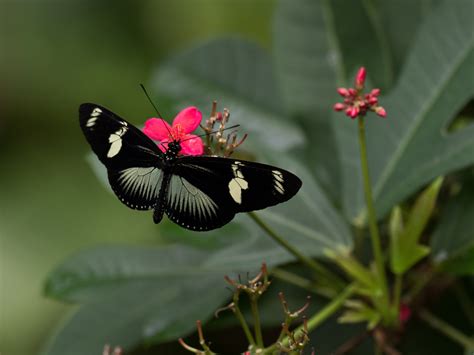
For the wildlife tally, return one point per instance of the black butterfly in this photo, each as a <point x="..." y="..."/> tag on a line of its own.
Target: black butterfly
<point x="197" y="192"/>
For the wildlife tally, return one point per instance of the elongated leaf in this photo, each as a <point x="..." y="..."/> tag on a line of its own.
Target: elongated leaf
<point x="410" y="13"/>
<point x="453" y="241"/>
<point x="405" y="249"/>
<point x="410" y="147"/>
<point x="239" y="76"/>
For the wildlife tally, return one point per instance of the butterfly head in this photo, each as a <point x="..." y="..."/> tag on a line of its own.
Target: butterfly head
<point x="174" y="147"/>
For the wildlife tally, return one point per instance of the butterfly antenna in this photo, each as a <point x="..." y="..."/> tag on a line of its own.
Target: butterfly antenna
<point x="156" y="109"/>
<point x="202" y="135"/>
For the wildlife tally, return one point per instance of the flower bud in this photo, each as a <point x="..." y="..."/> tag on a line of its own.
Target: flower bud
<point x="360" y="78"/>
<point x="343" y="92"/>
<point x="379" y="110"/>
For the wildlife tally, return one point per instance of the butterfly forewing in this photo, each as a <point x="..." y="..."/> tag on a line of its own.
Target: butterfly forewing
<point x="133" y="160"/>
<point x="117" y="143"/>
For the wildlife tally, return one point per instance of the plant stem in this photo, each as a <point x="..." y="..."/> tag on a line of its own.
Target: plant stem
<point x="312" y="264"/>
<point x="397" y="292"/>
<point x="326" y="312"/>
<point x="243" y="322"/>
<point x="256" y="317"/>
<point x="447" y="329"/>
<point x="374" y="231"/>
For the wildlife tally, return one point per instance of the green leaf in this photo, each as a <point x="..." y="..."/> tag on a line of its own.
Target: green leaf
<point x="358" y="272"/>
<point x="357" y="312"/>
<point x="453" y="240"/>
<point x="411" y="147"/>
<point x="400" y="38"/>
<point x="315" y="51"/>
<point x="308" y="218"/>
<point x="237" y="74"/>
<point x="404" y="248"/>
<point x="132" y="294"/>
<point x="307" y="57"/>
<point x="306" y="60"/>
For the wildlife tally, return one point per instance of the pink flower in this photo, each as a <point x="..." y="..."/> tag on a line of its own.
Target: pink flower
<point x="185" y="122"/>
<point x="355" y="102"/>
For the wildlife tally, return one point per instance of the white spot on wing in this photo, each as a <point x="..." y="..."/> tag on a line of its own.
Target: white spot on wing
<point x="94" y="116"/>
<point x="238" y="183"/>
<point x="115" y="140"/>
<point x="91" y="121"/>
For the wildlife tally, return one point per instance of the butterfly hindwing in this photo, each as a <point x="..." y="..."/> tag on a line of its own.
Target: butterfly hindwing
<point x="132" y="159"/>
<point x="137" y="187"/>
<point x="217" y="188"/>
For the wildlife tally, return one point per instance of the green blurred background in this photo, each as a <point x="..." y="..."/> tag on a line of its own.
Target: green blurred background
<point x="55" y="55"/>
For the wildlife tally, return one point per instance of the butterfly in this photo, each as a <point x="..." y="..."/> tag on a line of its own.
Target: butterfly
<point x="199" y="193"/>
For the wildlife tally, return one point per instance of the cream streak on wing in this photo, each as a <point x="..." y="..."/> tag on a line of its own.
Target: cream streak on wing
<point x="94" y="116"/>
<point x="278" y="181"/>
<point x="115" y="140"/>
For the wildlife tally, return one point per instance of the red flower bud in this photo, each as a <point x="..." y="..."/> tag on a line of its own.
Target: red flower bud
<point x="339" y="107"/>
<point x="343" y="92"/>
<point x="352" y="112"/>
<point x="375" y="92"/>
<point x="379" y="110"/>
<point x="372" y="100"/>
<point x="360" y="78"/>
<point x="352" y="92"/>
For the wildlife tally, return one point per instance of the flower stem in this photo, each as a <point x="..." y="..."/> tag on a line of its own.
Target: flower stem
<point x="257" y="325"/>
<point x="374" y="231"/>
<point x="447" y="329"/>
<point x="243" y="322"/>
<point x="326" y="312"/>
<point x="312" y="264"/>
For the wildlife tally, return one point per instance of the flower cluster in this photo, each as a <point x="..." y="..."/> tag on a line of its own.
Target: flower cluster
<point x="218" y="142"/>
<point x="356" y="103"/>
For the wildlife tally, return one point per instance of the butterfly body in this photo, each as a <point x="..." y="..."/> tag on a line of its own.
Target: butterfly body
<point x="197" y="192"/>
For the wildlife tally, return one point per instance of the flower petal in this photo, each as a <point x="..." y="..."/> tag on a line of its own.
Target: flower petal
<point x="189" y="119"/>
<point x="157" y="129"/>
<point x="192" y="145"/>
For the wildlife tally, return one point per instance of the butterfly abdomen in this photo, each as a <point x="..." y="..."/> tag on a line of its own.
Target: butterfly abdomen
<point x="160" y="205"/>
